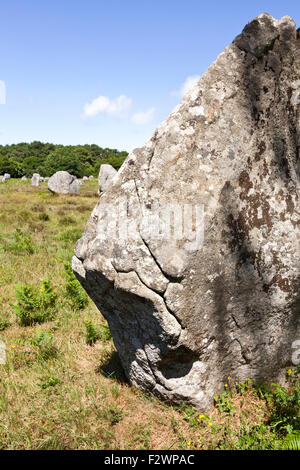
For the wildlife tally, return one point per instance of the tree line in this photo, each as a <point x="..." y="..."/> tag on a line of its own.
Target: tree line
<point x="24" y="159"/>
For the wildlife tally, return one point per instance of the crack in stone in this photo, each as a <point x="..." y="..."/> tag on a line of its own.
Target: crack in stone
<point x="170" y="278"/>
<point x="167" y="276"/>
<point x="247" y="361"/>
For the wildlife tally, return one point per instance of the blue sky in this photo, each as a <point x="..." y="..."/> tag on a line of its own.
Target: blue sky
<point x="108" y="72"/>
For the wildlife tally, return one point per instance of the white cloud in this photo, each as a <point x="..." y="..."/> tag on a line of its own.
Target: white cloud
<point x="119" y="107"/>
<point x="143" y="117"/>
<point x="186" y="86"/>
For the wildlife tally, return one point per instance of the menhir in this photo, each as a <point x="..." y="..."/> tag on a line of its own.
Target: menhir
<point x="222" y="300"/>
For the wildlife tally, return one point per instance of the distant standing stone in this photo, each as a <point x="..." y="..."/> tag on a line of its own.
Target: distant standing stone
<point x="4" y="177"/>
<point x="91" y="177"/>
<point x="106" y="174"/>
<point x="35" y="180"/>
<point x="63" y="183"/>
<point x="24" y="178"/>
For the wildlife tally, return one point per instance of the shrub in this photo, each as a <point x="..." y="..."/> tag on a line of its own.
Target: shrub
<point x="3" y="323"/>
<point x="286" y="406"/>
<point x="49" y="382"/>
<point x="35" y="304"/>
<point x="76" y="294"/>
<point x="22" y="243"/>
<point x="44" y="341"/>
<point x="44" y="216"/>
<point x="224" y="403"/>
<point x="91" y="333"/>
<point x="104" y="332"/>
<point x="292" y="441"/>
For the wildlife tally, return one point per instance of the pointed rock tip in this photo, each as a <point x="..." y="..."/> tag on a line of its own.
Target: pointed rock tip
<point x="259" y="35"/>
<point x="284" y="19"/>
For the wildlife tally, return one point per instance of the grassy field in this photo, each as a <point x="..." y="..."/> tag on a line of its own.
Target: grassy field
<point x="62" y="386"/>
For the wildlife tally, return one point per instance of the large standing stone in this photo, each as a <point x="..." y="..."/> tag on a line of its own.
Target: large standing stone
<point x="184" y="317"/>
<point x="35" y="180"/>
<point x="106" y="174"/>
<point x="63" y="183"/>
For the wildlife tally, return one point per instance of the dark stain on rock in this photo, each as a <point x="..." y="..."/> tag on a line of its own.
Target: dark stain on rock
<point x="290" y="207"/>
<point x="245" y="183"/>
<point x="261" y="149"/>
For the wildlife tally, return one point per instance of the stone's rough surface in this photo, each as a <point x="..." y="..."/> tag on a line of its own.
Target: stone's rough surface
<point x="183" y="320"/>
<point x="106" y="174"/>
<point x="63" y="183"/>
<point x="35" y="180"/>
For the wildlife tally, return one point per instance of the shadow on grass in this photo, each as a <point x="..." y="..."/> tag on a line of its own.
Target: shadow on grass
<point x="112" y="368"/>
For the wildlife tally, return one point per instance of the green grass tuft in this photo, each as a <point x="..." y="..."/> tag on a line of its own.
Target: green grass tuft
<point x="35" y="304"/>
